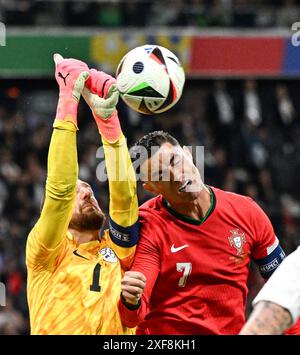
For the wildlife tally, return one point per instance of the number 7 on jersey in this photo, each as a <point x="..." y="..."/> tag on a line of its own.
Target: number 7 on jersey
<point x="186" y="268"/>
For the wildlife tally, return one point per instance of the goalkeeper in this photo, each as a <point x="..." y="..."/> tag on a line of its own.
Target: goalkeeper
<point x="74" y="275"/>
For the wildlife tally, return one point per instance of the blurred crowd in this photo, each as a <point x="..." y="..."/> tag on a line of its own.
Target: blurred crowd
<point x="250" y="130"/>
<point x="118" y="13"/>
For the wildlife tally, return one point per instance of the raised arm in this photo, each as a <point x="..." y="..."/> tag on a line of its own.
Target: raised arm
<point x="123" y="208"/>
<point x="46" y="238"/>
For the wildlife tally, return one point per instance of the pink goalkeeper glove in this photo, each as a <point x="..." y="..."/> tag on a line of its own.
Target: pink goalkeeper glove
<point x="70" y="75"/>
<point x="99" y="83"/>
<point x="102" y="96"/>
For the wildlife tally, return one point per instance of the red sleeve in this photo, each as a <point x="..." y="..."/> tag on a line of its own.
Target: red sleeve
<point x="146" y="261"/>
<point x="265" y="238"/>
<point x="294" y="330"/>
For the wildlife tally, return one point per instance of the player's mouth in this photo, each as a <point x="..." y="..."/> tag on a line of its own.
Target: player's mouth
<point x="89" y="206"/>
<point x="185" y="185"/>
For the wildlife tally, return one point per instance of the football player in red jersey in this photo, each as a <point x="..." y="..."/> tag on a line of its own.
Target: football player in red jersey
<point x="196" y="243"/>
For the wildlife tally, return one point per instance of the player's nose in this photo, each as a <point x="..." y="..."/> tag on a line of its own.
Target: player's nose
<point x="86" y="193"/>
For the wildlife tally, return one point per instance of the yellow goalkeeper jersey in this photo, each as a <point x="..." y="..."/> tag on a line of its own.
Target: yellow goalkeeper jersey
<point x="80" y="296"/>
<point x="74" y="288"/>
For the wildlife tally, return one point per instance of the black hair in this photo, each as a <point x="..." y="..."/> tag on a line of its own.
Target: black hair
<point x="152" y="139"/>
<point x="155" y="139"/>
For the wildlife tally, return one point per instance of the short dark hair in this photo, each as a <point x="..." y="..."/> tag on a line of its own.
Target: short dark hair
<point x="155" y="139"/>
<point x="152" y="139"/>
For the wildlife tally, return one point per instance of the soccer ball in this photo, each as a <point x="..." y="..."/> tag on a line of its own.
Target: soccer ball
<point x="150" y="79"/>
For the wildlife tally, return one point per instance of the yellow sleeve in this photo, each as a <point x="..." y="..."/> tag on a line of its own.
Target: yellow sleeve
<point x="45" y="240"/>
<point x="123" y="207"/>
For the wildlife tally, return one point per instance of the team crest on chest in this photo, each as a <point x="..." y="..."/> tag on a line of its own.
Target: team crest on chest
<point x="237" y="239"/>
<point x="109" y="255"/>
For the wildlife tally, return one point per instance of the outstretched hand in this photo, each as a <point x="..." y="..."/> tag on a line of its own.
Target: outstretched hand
<point x="102" y="108"/>
<point x="71" y="75"/>
<point x="102" y="95"/>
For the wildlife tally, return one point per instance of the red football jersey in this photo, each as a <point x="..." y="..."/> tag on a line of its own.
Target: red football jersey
<point x="197" y="271"/>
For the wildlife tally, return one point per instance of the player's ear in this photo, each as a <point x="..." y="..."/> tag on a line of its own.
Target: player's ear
<point x="148" y="187"/>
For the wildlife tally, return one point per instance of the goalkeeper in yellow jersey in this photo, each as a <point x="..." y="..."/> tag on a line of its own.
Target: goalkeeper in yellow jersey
<point x="74" y="275"/>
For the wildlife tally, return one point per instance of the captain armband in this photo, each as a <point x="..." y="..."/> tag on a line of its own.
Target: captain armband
<point x="270" y="263"/>
<point x="124" y="236"/>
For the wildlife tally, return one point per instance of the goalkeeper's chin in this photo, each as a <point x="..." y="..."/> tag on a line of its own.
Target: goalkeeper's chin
<point x="90" y="219"/>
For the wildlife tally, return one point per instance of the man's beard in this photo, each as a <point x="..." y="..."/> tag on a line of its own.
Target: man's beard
<point x="87" y="221"/>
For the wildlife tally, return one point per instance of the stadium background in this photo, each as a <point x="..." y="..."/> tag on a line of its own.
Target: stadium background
<point x="241" y="101"/>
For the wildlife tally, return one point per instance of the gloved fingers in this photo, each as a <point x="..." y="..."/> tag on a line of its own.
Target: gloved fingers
<point x="57" y="58"/>
<point x="86" y="95"/>
<point x="68" y="64"/>
<point x="93" y="100"/>
<point x="113" y="88"/>
<point x="102" y="108"/>
<point x="99" y="82"/>
<point x="79" y="84"/>
<point x="112" y="98"/>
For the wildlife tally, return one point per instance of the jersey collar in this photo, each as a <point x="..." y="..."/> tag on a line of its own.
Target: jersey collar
<point x="89" y="246"/>
<point x="191" y="220"/>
